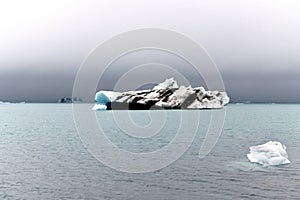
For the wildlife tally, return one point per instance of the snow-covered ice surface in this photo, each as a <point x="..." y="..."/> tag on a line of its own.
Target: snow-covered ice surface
<point x="270" y="153"/>
<point x="168" y="83"/>
<point x="165" y="95"/>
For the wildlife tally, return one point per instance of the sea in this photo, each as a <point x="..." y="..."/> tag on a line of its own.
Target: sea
<point x="42" y="155"/>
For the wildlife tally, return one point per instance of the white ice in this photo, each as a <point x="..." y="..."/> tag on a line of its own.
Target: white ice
<point x="199" y="97"/>
<point x="168" y="83"/>
<point x="270" y="153"/>
<point x="1" y="102"/>
<point x="99" y="107"/>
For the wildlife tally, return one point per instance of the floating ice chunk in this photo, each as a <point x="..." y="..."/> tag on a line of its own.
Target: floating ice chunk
<point x="168" y="83"/>
<point x="102" y="98"/>
<point x="99" y="107"/>
<point x="164" y="95"/>
<point x="270" y="153"/>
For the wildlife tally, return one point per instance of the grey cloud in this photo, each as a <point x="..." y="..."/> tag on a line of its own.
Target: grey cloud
<point x="255" y="44"/>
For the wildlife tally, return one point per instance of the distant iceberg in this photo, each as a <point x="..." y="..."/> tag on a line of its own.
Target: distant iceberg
<point x="1" y="102"/>
<point x="166" y="95"/>
<point x="270" y="153"/>
<point x="69" y="100"/>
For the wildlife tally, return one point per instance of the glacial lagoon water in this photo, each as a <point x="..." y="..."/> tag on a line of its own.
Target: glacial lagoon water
<point x="42" y="156"/>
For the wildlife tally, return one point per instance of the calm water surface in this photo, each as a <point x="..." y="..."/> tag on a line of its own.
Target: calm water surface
<point x="42" y="157"/>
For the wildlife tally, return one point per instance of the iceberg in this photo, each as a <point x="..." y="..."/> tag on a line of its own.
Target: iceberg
<point x="270" y="153"/>
<point x="3" y="102"/>
<point x="69" y="100"/>
<point x="168" y="83"/>
<point x="165" y="95"/>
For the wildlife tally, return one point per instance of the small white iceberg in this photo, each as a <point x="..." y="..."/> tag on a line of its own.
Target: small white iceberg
<point x="270" y="153"/>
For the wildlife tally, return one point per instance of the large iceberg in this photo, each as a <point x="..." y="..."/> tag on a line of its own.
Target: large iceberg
<point x="166" y="95"/>
<point x="270" y="153"/>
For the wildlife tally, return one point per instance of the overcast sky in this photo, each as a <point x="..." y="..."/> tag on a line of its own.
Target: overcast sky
<point x="255" y="44"/>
